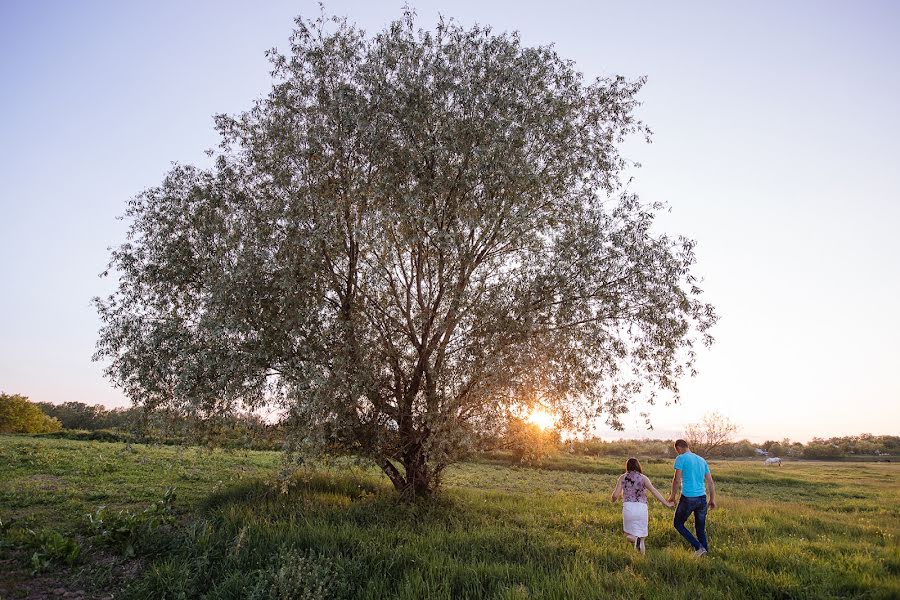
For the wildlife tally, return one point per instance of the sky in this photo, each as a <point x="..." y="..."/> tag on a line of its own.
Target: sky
<point x="776" y="132"/>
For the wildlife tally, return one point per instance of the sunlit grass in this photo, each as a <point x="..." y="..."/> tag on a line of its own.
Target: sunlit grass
<point x="805" y="530"/>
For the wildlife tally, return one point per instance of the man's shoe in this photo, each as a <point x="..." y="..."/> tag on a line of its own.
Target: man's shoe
<point x="700" y="552"/>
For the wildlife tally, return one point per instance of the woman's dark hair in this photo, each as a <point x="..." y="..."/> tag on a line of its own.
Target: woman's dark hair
<point x="633" y="465"/>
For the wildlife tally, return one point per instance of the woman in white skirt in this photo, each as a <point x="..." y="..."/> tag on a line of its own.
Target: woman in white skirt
<point x="632" y="486"/>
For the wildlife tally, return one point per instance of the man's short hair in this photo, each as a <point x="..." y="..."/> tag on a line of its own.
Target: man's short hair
<point x="681" y="444"/>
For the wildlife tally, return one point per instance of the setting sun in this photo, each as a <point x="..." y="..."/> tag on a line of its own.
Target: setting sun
<point x="542" y="418"/>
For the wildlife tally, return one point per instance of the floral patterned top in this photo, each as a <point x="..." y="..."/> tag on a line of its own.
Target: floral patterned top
<point x="633" y="487"/>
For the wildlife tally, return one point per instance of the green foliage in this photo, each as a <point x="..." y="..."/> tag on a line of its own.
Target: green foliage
<point x="91" y="417"/>
<point x="414" y="233"/>
<point x="235" y="429"/>
<point x="18" y="415"/>
<point x="785" y="448"/>
<point x="637" y="448"/>
<point x="297" y="575"/>
<point x="528" y="443"/>
<point x="44" y="549"/>
<point x="822" y="449"/>
<point x="740" y="449"/>
<point x="857" y="445"/>
<point x="125" y="531"/>
<point x="52" y="548"/>
<point x="241" y="430"/>
<point x="98" y="435"/>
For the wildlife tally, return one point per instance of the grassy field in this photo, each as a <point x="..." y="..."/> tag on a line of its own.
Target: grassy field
<point x="804" y="530"/>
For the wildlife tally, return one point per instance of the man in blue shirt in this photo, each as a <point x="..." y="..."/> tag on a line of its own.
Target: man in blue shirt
<point x="692" y="474"/>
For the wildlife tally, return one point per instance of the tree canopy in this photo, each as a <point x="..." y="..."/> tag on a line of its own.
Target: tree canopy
<point x="414" y="235"/>
<point x="712" y="435"/>
<point x="19" y="415"/>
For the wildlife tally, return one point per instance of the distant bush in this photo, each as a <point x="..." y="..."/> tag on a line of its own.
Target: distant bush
<point x="739" y="449"/>
<point x="641" y="448"/>
<point x="19" y="415"/>
<point x="529" y="443"/>
<point x="91" y="417"/>
<point x="822" y="449"/>
<point x="865" y="444"/>
<point x="100" y="435"/>
<point x="96" y="422"/>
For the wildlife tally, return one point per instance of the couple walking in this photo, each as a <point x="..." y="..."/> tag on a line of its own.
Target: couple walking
<point x="692" y="474"/>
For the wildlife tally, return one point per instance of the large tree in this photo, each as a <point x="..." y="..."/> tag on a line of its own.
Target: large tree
<point x="413" y="235"/>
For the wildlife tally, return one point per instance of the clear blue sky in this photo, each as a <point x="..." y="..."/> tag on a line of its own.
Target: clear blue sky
<point x="776" y="145"/>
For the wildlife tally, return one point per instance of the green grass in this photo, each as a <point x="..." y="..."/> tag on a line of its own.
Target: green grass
<point x="804" y="530"/>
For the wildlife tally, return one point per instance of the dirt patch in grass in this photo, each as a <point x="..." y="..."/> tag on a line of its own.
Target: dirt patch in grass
<point x="46" y="483"/>
<point x="17" y="583"/>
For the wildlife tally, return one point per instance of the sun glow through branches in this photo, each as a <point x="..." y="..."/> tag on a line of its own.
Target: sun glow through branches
<point x="542" y="418"/>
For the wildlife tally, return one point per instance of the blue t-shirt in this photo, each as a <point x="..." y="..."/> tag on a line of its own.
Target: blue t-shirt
<point x="693" y="474"/>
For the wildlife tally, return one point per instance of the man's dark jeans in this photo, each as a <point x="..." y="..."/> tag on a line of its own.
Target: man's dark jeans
<point x="697" y="506"/>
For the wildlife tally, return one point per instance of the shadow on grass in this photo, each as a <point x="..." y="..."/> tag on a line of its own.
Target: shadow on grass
<point x="328" y="535"/>
<point x="353" y="487"/>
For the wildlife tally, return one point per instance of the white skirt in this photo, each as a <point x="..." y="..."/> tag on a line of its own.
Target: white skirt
<point x="635" y="518"/>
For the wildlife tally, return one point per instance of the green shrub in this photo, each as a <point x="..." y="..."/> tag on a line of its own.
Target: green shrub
<point x="51" y="548"/>
<point x="128" y="532"/>
<point x="301" y="576"/>
<point x="99" y="435"/>
<point x="18" y="415"/>
<point x="529" y="443"/>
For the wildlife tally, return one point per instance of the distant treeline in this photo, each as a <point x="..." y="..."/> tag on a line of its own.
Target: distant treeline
<point x="77" y="415"/>
<point x="854" y="445"/>
<point x="836" y="447"/>
<point x="96" y="422"/>
<point x="85" y="421"/>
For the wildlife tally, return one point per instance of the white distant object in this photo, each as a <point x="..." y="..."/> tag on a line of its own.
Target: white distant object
<point x="761" y="452"/>
<point x="773" y="461"/>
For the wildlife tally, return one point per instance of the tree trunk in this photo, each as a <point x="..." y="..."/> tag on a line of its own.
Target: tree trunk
<point x="417" y="481"/>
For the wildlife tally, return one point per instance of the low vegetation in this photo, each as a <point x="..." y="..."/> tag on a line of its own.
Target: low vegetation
<point x="190" y="523"/>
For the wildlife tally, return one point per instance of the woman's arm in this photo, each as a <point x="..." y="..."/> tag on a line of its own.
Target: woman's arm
<point x="649" y="485"/>
<point x="618" y="491"/>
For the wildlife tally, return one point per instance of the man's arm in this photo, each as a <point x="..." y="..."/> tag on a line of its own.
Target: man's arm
<point x="676" y="482"/>
<point x="711" y="488"/>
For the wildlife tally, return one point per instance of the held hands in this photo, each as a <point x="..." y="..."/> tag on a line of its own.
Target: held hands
<point x="711" y="504"/>
<point x="669" y="503"/>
